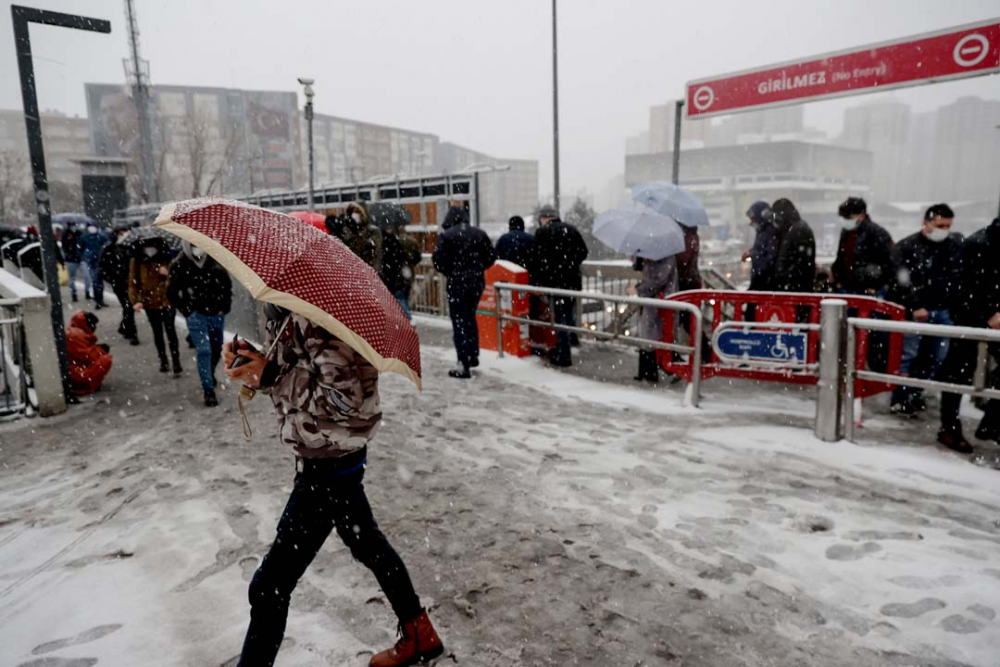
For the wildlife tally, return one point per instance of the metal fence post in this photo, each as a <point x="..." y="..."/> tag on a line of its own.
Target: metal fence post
<point x="830" y="401"/>
<point x="850" y="377"/>
<point x="496" y="296"/>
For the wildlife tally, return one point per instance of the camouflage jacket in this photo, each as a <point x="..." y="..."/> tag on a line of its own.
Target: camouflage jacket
<point x="325" y="394"/>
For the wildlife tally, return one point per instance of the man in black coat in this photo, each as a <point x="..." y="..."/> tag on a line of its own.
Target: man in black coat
<point x="928" y="281"/>
<point x="764" y="253"/>
<point x="795" y="265"/>
<point x="203" y="292"/>
<point x="554" y="261"/>
<point x="864" y="256"/>
<point x="977" y="305"/>
<point x="463" y="253"/>
<point x="115" y="260"/>
<point x="516" y="243"/>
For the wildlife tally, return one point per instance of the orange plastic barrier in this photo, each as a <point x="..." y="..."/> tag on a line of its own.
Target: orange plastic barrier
<point x="515" y="304"/>
<point x="780" y="307"/>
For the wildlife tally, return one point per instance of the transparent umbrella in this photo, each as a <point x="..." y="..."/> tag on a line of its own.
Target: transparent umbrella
<point x="673" y="201"/>
<point x="639" y="232"/>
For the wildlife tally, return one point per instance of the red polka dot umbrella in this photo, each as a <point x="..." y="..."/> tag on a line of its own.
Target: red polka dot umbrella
<point x="282" y="261"/>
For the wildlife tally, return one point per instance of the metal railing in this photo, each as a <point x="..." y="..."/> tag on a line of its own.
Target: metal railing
<point x="693" y="350"/>
<point x="984" y="337"/>
<point x="13" y="375"/>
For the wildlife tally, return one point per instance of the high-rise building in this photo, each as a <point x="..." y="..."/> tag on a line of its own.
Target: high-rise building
<point x="882" y="127"/>
<point x="347" y="151"/>
<point x="205" y="140"/>
<point x="967" y="150"/>
<point x="502" y="193"/>
<point x="64" y="138"/>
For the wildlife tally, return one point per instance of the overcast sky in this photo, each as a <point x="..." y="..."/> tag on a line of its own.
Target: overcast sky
<point x="478" y="72"/>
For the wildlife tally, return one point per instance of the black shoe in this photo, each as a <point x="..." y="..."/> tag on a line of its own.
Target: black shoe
<point x="164" y="366"/>
<point x="918" y="403"/>
<point x="987" y="435"/>
<point x="954" y="440"/>
<point x="87" y="297"/>
<point x="461" y="372"/>
<point x="177" y="369"/>
<point x="133" y="341"/>
<point x="189" y="341"/>
<point x="210" y="399"/>
<point x="74" y="298"/>
<point x="648" y="369"/>
<point x="98" y="306"/>
<point x="904" y="409"/>
<point x="474" y="363"/>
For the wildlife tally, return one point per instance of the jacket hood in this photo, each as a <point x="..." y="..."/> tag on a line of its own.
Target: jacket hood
<point x="516" y="224"/>
<point x="455" y="216"/>
<point x="158" y="243"/>
<point x="84" y="321"/>
<point x="354" y="207"/>
<point x="760" y="212"/>
<point x="785" y="213"/>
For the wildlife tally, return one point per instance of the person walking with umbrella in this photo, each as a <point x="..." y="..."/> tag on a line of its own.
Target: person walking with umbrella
<point x="321" y="372"/>
<point x="462" y="255"/>
<point x="149" y="270"/>
<point x="203" y="292"/>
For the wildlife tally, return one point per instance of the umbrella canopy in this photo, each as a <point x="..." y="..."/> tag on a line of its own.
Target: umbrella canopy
<point x="673" y="201"/>
<point x="317" y="220"/>
<point x="304" y="270"/>
<point x="139" y="234"/>
<point x="73" y="219"/>
<point x="633" y="231"/>
<point x="386" y="215"/>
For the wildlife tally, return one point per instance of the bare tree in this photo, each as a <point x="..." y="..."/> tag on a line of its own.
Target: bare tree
<point x="14" y="182"/>
<point x="210" y="150"/>
<point x="121" y="125"/>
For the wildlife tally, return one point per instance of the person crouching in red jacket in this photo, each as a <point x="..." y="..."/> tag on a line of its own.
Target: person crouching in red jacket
<point x="89" y="362"/>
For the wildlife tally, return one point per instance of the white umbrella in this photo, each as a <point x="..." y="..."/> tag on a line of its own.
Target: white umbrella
<point x="673" y="201"/>
<point x="639" y="232"/>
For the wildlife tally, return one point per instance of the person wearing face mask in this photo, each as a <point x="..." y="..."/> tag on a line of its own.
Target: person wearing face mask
<point x="355" y="232"/>
<point x="864" y="255"/>
<point x="147" y="290"/>
<point x="203" y="292"/>
<point x="927" y="271"/>
<point x="115" y="261"/>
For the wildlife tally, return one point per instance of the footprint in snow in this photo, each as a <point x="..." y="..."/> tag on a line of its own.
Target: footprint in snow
<point x="84" y="637"/>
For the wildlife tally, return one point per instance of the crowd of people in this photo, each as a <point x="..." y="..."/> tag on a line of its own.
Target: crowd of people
<point x="936" y="274"/>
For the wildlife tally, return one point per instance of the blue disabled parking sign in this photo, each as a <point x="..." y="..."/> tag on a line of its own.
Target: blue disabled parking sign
<point x="763" y="345"/>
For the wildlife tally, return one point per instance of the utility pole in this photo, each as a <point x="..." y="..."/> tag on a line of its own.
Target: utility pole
<point x="555" y="104"/>
<point x="308" y="84"/>
<point x="22" y="16"/>
<point x="678" y="112"/>
<point x="137" y="75"/>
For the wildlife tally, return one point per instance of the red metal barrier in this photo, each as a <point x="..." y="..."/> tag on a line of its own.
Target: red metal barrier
<point x="778" y="307"/>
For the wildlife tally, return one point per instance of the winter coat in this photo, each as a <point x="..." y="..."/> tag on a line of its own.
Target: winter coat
<point x="979" y="298"/>
<point x="400" y="256"/>
<point x="199" y="286"/>
<point x="357" y="236"/>
<point x="864" y="259"/>
<point x="325" y="394"/>
<point x="70" y="249"/>
<point x="556" y="255"/>
<point x="115" y="260"/>
<point x="462" y="254"/>
<point x="688" y="275"/>
<point x="927" y="274"/>
<point x="89" y="363"/>
<point x="91" y="245"/>
<point x="659" y="279"/>
<point x="795" y="266"/>
<point x="763" y="256"/>
<point x="146" y="284"/>
<point x="515" y="246"/>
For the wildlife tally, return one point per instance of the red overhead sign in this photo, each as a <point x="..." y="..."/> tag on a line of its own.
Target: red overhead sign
<point x="969" y="50"/>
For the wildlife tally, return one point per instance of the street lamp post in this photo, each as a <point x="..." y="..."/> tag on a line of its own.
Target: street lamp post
<point x="308" y="84"/>
<point x="555" y="105"/>
<point x="22" y="16"/>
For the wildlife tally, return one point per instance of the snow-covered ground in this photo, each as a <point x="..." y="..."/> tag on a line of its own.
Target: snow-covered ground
<point x="547" y="518"/>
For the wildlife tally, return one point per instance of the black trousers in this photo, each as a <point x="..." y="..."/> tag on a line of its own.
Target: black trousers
<point x="462" y="304"/>
<point x="959" y="367"/>
<point x="321" y="500"/>
<point x="127" y="327"/>
<point x="163" y="320"/>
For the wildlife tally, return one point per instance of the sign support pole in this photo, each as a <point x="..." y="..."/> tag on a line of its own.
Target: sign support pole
<point x="678" y="112"/>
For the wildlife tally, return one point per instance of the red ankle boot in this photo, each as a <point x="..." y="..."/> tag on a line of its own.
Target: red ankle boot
<point x="418" y="643"/>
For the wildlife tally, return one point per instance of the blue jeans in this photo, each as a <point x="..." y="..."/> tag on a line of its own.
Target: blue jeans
<point x="93" y="280"/>
<point x="206" y="334"/>
<point x="922" y="357"/>
<point x="73" y="268"/>
<point x="404" y="302"/>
